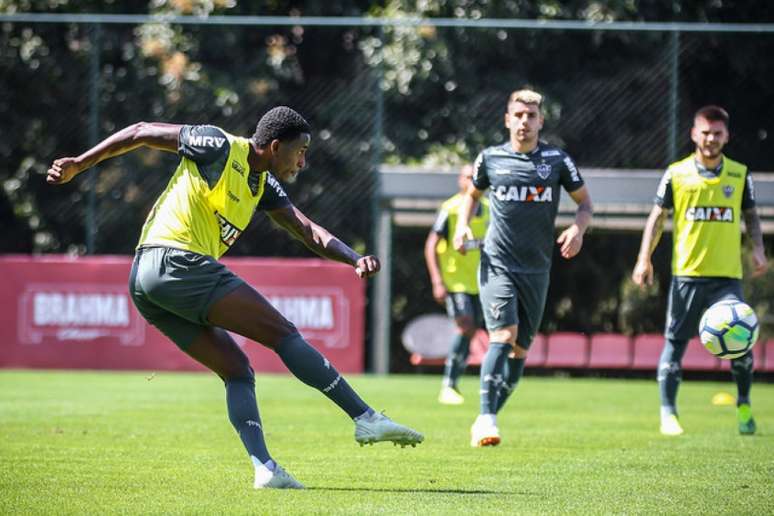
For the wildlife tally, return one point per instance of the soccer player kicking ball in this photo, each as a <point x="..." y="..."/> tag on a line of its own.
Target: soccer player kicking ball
<point x="178" y="285"/>
<point x="707" y="192"/>
<point x="524" y="176"/>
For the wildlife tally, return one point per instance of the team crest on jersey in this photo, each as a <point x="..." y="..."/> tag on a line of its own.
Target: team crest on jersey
<point x="709" y="214"/>
<point x="543" y="170"/>
<point x="728" y="191"/>
<point x="228" y="232"/>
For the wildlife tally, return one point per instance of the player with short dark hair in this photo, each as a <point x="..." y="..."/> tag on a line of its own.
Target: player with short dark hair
<point x="178" y="285"/>
<point x="453" y="278"/>
<point x="706" y="192"/>
<point x="524" y="176"/>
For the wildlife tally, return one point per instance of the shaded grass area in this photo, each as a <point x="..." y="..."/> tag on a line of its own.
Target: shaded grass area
<point x="99" y="442"/>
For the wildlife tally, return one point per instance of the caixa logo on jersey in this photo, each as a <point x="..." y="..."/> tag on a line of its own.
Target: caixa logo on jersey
<point x="78" y="312"/>
<point x="709" y="214"/>
<point x="524" y="193"/>
<point x="228" y="232"/>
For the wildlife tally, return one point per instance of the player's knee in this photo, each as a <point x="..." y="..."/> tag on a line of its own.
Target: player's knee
<point x="465" y="326"/>
<point x="504" y="335"/>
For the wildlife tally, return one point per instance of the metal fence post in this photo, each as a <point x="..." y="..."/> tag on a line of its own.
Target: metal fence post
<point x="94" y="85"/>
<point x="674" y="78"/>
<point x="382" y="237"/>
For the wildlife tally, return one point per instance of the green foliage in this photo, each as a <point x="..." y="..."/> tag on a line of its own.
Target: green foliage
<point x="134" y="443"/>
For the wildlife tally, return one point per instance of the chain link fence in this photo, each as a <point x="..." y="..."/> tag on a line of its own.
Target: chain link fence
<point x="404" y="92"/>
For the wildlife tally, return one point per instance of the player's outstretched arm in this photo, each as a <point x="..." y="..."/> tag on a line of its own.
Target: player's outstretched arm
<point x="571" y="239"/>
<point x="654" y="227"/>
<point x="463" y="233"/>
<point x="149" y="134"/>
<point x="322" y="242"/>
<point x="752" y="225"/>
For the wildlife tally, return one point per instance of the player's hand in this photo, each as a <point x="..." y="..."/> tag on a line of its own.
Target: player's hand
<point x="439" y="293"/>
<point x="643" y="273"/>
<point x="62" y="170"/>
<point x="571" y="241"/>
<point x="462" y="235"/>
<point x="367" y="266"/>
<point x="759" y="261"/>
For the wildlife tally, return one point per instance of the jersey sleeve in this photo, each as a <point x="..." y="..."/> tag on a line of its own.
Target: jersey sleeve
<point x="748" y="194"/>
<point x="570" y="177"/>
<point x="441" y="224"/>
<point x="274" y="196"/>
<point x="203" y="144"/>
<point x="208" y="147"/>
<point x="664" y="197"/>
<point x="480" y="175"/>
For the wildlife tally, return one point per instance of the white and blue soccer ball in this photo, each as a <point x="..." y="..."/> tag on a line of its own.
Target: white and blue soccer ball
<point x="729" y="328"/>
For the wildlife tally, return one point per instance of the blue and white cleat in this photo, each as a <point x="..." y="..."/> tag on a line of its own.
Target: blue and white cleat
<point x="277" y="479"/>
<point x="378" y="427"/>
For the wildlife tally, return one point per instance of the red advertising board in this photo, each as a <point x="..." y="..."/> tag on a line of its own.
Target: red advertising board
<point x="65" y="312"/>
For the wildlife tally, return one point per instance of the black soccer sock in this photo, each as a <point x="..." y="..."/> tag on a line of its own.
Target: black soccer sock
<point x="309" y="366"/>
<point x="742" y="371"/>
<point x="457" y="360"/>
<point x="514" y="369"/>
<point x="492" y="369"/>
<point x="670" y="373"/>
<point x="243" y="414"/>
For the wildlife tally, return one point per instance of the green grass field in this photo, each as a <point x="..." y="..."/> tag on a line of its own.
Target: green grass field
<point x="83" y="442"/>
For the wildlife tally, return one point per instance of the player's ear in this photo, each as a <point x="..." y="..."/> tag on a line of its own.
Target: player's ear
<point x="274" y="146"/>
<point x="507" y="121"/>
<point x="694" y="135"/>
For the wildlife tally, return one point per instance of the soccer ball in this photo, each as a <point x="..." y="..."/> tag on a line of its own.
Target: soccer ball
<point x="729" y="328"/>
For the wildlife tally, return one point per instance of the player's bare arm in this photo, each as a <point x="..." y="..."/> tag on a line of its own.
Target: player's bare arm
<point x="654" y="227"/>
<point x="148" y="134"/>
<point x="322" y="242"/>
<point x="571" y="239"/>
<point x="753" y="226"/>
<point x="433" y="268"/>
<point x="463" y="233"/>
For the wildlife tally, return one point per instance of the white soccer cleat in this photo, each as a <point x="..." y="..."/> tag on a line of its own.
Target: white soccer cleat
<point x="378" y="427"/>
<point x="277" y="479"/>
<point x="484" y="432"/>
<point x="450" y="396"/>
<point x="670" y="425"/>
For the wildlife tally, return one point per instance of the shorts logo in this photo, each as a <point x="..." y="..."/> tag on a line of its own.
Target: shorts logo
<point x="709" y="214"/>
<point x="524" y="193"/>
<point x="543" y="170"/>
<point x="497" y="308"/>
<point x="228" y="232"/>
<point x="728" y="191"/>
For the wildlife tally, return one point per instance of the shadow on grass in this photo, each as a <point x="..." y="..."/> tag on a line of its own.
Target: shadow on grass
<point x="426" y="491"/>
